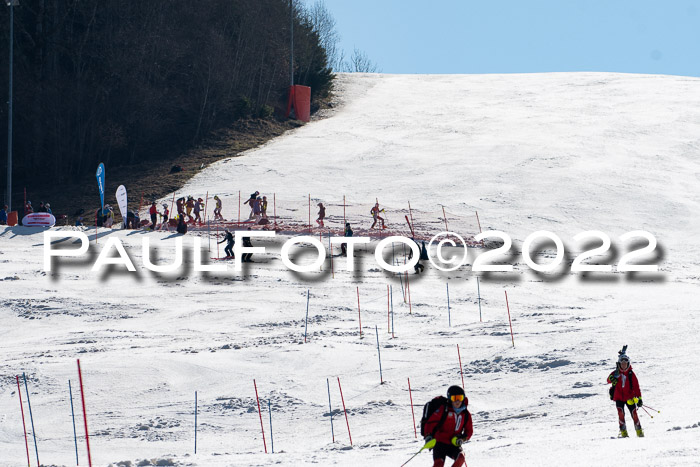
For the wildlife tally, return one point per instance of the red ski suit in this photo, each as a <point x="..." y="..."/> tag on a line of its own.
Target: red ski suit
<point x="627" y="386"/>
<point x="459" y="425"/>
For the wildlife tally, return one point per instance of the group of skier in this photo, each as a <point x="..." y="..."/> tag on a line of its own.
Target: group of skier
<point x="185" y="208"/>
<point x="258" y="208"/>
<point x="446" y="424"/>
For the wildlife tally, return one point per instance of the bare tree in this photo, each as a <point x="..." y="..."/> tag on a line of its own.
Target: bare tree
<point x="324" y="25"/>
<point x="360" y="63"/>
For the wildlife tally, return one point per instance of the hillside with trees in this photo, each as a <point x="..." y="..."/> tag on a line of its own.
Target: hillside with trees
<point x="124" y="82"/>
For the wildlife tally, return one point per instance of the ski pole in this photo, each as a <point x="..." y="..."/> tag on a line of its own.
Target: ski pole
<point x="429" y="445"/>
<point x="652" y="408"/>
<point x="647" y="412"/>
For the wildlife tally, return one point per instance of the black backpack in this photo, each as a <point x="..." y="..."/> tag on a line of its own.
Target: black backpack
<point x="429" y="409"/>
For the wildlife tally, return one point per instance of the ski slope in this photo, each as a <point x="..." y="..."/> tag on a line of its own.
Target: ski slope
<point x="564" y="152"/>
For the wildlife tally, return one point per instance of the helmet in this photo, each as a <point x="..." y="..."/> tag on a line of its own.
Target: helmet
<point x="455" y="391"/>
<point x="165" y="206"/>
<point x="623" y="358"/>
<point x="216" y="196"/>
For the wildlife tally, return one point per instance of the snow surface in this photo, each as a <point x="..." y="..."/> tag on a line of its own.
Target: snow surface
<point x="564" y="152"/>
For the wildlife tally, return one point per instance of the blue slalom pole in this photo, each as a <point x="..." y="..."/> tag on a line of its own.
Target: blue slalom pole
<point x="195" y="422"/>
<point x="26" y="388"/>
<point x="306" y="324"/>
<point x="75" y="436"/>
<point x="381" y="379"/>
<point x="272" y="440"/>
<point x="330" y="409"/>
<point x="449" y="316"/>
<point x="478" y="290"/>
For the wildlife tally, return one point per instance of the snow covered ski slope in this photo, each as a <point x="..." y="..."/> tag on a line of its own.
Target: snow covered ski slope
<point x="564" y="152"/>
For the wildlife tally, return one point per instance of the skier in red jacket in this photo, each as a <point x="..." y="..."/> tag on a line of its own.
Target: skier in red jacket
<point x="449" y="426"/>
<point x="625" y="391"/>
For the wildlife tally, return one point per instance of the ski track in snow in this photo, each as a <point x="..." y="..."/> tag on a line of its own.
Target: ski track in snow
<point x="564" y="152"/>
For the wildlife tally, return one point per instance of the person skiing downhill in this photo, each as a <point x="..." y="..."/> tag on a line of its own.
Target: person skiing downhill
<point x="347" y="233"/>
<point x="447" y="427"/>
<point x="228" y="238"/>
<point x="375" y="215"/>
<point x="625" y="391"/>
<point x="321" y="214"/>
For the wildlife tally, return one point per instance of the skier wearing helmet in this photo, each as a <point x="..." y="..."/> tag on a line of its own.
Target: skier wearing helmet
<point x="446" y="424"/>
<point x="165" y="215"/>
<point x="217" y="209"/>
<point x="198" y="207"/>
<point x="625" y="391"/>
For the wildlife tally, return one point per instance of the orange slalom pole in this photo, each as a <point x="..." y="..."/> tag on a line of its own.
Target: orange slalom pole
<point x="509" y="321"/>
<point x="344" y="410"/>
<point x="415" y="433"/>
<point x="26" y="443"/>
<point x="260" y="413"/>
<point x="445" y="217"/>
<point x="478" y="221"/>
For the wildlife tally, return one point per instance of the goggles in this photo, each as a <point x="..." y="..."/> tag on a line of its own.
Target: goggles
<point x="457" y="397"/>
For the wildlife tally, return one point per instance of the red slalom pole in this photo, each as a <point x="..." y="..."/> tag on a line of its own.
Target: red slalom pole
<point x="309" y="212"/>
<point x="460" y="365"/>
<point x="344" y="410"/>
<point x="411" y="214"/>
<point x="344" y="221"/>
<point x="415" y="433"/>
<point x="359" y="316"/>
<point x="82" y="398"/>
<point x="19" y="393"/>
<point x="260" y="413"/>
<point x="509" y="322"/>
<point x="408" y="290"/>
<point x="445" y="217"/>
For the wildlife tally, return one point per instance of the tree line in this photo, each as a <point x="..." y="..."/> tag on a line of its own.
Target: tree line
<point x="122" y="81"/>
